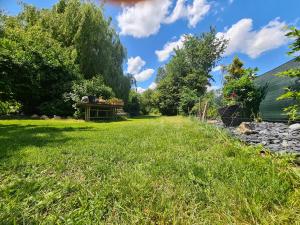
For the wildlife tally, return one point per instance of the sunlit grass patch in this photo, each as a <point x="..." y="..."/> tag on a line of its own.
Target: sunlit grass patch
<point x="147" y="170"/>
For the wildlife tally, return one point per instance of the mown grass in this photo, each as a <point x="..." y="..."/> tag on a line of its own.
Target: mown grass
<point x="168" y="170"/>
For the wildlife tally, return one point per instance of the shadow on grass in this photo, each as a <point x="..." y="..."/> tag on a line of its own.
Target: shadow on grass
<point x="144" y="117"/>
<point x="125" y="119"/>
<point x="16" y="137"/>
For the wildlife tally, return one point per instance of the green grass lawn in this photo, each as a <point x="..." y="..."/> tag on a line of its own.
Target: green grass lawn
<point x="155" y="170"/>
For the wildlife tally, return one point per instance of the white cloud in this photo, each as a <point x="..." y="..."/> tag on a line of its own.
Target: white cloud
<point x="145" y="18"/>
<point x="242" y="38"/>
<point x="212" y="88"/>
<point x="135" y="65"/>
<point x="168" y="49"/>
<point x="144" y="75"/>
<point x="178" y="12"/>
<point x="152" y="86"/>
<point x="217" y="69"/>
<point x="197" y="11"/>
<point x="140" y="90"/>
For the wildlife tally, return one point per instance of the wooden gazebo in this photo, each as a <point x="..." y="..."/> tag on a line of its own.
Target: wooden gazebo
<point x="102" y="111"/>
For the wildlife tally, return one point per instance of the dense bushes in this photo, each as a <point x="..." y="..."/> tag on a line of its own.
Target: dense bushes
<point x="43" y="52"/>
<point x="239" y="88"/>
<point x="149" y="102"/>
<point x="92" y="87"/>
<point x="35" y="69"/>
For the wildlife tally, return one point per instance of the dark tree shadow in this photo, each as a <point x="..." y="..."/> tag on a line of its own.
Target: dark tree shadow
<point x="144" y="117"/>
<point x="15" y="137"/>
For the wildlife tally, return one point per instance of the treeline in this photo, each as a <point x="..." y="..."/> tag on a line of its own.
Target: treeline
<point x="184" y="80"/>
<point x="50" y="57"/>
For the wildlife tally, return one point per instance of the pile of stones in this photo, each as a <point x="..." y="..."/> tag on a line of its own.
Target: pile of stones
<point x="278" y="137"/>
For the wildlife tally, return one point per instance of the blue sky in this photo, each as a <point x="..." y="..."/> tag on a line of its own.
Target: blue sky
<point x="152" y="29"/>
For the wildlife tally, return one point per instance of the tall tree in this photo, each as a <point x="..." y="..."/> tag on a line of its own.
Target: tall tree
<point x="82" y="26"/>
<point x="190" y="69"/>
<point x="43" y="51"/>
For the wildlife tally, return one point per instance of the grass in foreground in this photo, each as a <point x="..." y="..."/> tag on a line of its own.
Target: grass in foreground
<point x="155" y="170"/>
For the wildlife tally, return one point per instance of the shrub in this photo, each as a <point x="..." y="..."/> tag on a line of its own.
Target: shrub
<point x="240" y="89"/>
<point x="133" y="105"/>
<point x="213" y="103"/>
<point x="93" y="87"/>
<point x="56" y="107"/>
<point x="9" y="107"/>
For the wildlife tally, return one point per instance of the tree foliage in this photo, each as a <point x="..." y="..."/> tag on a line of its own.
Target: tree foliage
<point x="189" y="71"/>
<point x="149" y="102"/>
<point x="133" y="106"/>
<point x="42" y="52"/>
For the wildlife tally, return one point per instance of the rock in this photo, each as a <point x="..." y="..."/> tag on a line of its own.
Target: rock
<point x="274" y="136"/>
<point x="276" y="141"/>
<point x="212" y="121"/>
<point x="85" y="99"/>
<point x="35" y="116"/>
<point x="264" y="132"/>
<point x="44" y="117"/>
<point x="56" y="117"/>
<point x="264" y="142"/>
<point x="246" y="128"/>
<point x="295" y="127"/>
<point x="285" y="144"/>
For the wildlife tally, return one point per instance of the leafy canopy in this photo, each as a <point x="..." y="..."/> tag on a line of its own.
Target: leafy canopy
<point x="189" y="72"/>
<point x="42" y="52"/>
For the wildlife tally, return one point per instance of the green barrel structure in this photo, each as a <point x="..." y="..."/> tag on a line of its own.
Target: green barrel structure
<point x="271" y="109"/>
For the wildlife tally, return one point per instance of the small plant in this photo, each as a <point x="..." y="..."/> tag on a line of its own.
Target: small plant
<point x="208" y="103"/>
<point x="115" y="101"/>
<point x="293" y="93"/>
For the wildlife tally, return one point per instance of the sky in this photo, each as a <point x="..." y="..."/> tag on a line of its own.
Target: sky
<point x="151" y="30"/>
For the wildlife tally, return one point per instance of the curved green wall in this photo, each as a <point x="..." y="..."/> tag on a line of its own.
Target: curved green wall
<point x="270" y="108"/>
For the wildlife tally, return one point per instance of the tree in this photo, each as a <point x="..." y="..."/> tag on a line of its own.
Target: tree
<point x="43" y="51"/>
<point x="189" y="69"/>
<point x="83" y="27"/>
<point x="35" y="69"/>
<point x="133" y="105"/>
<point x="293" y="93"/>
<point x="161" y="73"/>
<point x="235" y="70"/>
<point x="188" y="99"/>
<point x="149" y="102"/>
